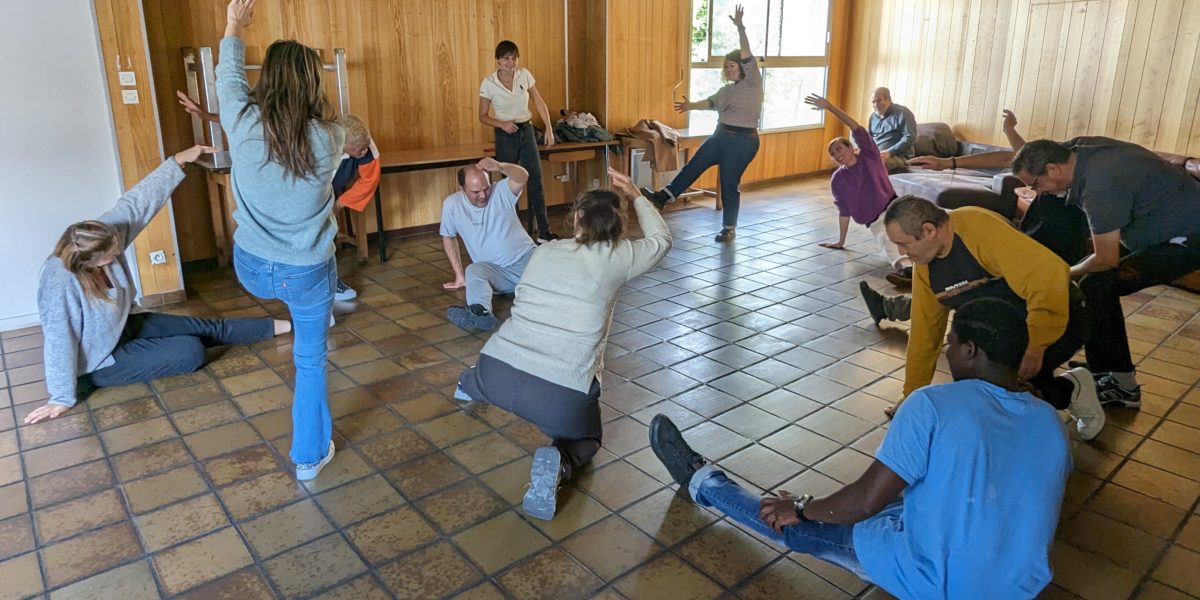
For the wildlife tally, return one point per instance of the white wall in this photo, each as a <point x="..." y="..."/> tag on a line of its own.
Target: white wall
<point x="58" y="157"/>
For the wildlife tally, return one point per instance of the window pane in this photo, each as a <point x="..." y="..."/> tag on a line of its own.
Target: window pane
<point x="705" y="82"/>
<point x="784" y="89"/>
<point x="798" y="27"/>
<point x="725" y="35"/>
<point x="700" y="30"/>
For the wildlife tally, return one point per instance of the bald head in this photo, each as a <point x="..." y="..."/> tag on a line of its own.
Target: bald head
<point x="881" y="100"/>
<point x="475" y="185"/>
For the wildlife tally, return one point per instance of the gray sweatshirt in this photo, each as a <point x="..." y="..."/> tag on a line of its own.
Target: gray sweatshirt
<point x="279" y="218"/>
<point x="564" y="303"/>
<point x="81" y="332"/>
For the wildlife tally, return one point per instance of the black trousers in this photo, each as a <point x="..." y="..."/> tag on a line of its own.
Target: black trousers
<point x="521" y="148"/>
<point x="569" y="417"/>
<point x="155" y="345"/>
<point x="1055" y="390"/>
<point x="1155" y="265"/>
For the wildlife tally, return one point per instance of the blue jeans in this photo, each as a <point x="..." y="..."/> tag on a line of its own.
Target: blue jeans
<point x="831" y="543"/>
<point x="732" y="152"/>
<point x="308" y="292"/>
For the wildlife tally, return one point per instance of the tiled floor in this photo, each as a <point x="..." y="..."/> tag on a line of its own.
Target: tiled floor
<point x="760" y="349"/>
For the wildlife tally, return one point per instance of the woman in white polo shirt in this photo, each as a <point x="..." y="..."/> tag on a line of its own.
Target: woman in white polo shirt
<point x="507" y="91"/>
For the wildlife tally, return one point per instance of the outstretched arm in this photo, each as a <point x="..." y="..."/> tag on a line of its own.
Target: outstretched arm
<point x="191" y="108"/>
<point x="1010" y="131"/>
<point x="741" y="28"/>
<point x="864" y="498"/>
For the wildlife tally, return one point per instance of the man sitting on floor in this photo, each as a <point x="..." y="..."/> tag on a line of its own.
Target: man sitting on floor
<point x="485" y="216"/>
<point x="974" y="253"/>
<point x="1144" y="215"/>
<point x="982" y="468"/>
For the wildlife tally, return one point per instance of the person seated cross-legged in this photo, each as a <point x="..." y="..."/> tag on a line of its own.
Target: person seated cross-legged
<point x="484" y="215"/>
<point x="982" y="468"/>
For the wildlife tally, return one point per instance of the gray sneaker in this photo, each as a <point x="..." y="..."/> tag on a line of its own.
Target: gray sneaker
<point x="541" y="499"/>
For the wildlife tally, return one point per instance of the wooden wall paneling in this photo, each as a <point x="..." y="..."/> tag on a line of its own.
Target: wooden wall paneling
<point x="1147" y="111"/>
<point x="1087" y="71"/>
<point x="1171" y="132"/>
<point x="121" y="35"/>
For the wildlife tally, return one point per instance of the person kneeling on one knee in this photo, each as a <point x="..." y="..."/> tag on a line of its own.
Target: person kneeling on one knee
<point x="484" y="215"/>
<point x="85" y="302"/>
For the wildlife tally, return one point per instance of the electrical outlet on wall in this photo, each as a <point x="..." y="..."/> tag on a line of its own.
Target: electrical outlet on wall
<point x="595" y="183"/>
<point x="158" y="257"/>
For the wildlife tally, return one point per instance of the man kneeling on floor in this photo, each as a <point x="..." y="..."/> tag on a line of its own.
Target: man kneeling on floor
<point x="484" y="215"/>
<point x="982" y="468"/>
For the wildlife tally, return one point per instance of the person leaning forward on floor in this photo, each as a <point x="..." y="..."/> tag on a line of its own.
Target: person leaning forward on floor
<point x="974" y="253"/>
<point x="484" y="215"/>
<point x="962" y="498"/>
<point x="544" y="363"/>
<point x="1144" y="216"/>
<point x="85" y="299"/>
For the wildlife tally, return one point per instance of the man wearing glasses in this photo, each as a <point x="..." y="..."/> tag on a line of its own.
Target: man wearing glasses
<point x="1144" y="216"/>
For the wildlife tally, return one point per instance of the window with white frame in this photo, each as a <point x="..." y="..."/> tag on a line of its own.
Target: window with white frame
<point x="790" y="39"/>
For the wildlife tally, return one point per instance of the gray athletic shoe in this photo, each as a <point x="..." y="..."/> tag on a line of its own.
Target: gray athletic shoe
<point x="541" y="499"/>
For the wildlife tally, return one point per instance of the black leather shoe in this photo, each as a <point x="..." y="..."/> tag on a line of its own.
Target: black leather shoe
<point x="725" y="235"/>
<point x="660" y="198"/>
<point x="874" y="302"/>
<point x="670" y="448"/>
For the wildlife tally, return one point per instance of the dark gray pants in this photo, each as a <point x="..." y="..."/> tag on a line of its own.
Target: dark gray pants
<point x="155" y="345"/>
<point x="569" y="417"/>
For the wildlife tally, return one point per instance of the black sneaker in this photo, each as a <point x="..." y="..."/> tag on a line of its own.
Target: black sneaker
<point x="901" y="278"/>
<point x="472" y="317"/>
<point x="541" y="499"/>
<point x="874" y="302"/>
<point x="660" y="198"/>
<point x="1112" y="394"/>
<point x="670" y="448"/>
<point x="725" y="235"/>
<point x="546" y="236"/>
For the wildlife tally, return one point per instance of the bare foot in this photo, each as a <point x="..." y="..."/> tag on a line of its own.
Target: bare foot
<point x="282" y="326"/>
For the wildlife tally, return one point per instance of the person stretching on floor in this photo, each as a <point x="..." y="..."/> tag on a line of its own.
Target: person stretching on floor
<point x="86" y="294"/>
<point x="862" y="190"/>
<point x="484" y="215"/>
<point x="971" y="253"/>
<point x="544" y="363"/>
<point x="735" y="142"/>
<point x="962" y="497"/>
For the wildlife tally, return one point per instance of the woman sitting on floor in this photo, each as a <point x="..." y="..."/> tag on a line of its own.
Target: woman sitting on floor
<point x="86" y="295"/>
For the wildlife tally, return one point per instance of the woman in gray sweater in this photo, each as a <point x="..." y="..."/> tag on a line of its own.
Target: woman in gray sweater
<point x="86" y="294"/>
<point x="285" y="148"/>
<point x="544" y="362"/>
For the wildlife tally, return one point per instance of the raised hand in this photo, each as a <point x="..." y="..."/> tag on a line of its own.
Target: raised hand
<point x="737" y="16"/>
<point x="622" y="183"/>
<point x="238" y="14"/>
<point x="490" y="165"/>
<point x="818" y="102"/>
<point x="191" y="154"/>
<point x="1010" y="120"/>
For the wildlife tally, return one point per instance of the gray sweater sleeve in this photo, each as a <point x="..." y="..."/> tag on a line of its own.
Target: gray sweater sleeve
<point x="60" y="311"/>
<point x="233" y="89"/>
<point x="650" y="250"/>
<point x="137" y="207"/>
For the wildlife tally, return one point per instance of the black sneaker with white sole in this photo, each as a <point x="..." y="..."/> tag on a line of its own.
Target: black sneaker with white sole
<point x="474" y="316"/>
<point x="676" y="455"/>
<point x="344" y="292"/>
<point x="660" y="198"/>
<point x="541" y="499"/>
<point x="1112" y="393"/>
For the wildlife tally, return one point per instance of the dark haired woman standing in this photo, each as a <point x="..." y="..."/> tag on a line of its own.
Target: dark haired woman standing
<point x="507" y="92"/>
<point x="735" y="142"/>
<point x="285" y="148"/>
<point x="552" y="347"/>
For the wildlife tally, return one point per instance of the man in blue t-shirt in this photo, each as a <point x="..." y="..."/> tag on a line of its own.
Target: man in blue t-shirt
<point x="484" y="215"/>
<point x="982" y="468"/>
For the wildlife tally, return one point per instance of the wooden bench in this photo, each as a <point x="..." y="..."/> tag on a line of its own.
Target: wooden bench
<point x="222" y="205"/>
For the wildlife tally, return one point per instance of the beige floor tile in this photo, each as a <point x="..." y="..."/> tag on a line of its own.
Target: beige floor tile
<point x="550" y="575"/>
<point x="500" y="541"/>
<point x="667" y="577"/>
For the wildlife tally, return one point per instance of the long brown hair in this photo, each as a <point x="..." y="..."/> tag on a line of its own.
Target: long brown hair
<point x="288" y="96"/>
<point x="81" y="246"/>
<point x="600" y="217"/>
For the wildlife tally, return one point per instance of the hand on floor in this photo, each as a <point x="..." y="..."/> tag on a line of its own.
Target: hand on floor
<point x="49" y="411"/>
<point x="833" y="245"/>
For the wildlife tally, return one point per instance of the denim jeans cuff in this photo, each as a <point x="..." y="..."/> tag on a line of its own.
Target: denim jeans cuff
<point x="697" y="483"/>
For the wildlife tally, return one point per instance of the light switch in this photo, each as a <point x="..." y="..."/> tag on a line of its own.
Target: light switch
<point x="127" y="78"/>
<point x="129" y="97"/>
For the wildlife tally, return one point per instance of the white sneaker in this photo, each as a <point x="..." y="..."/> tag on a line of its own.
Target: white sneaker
<point x="1085" y="404"/>
<point x="331" y="321"/>
<point x="306" y="473"/>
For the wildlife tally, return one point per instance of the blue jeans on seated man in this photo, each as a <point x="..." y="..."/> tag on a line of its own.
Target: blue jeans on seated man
<point x="307" y="291"/>
<point x="831" y="543"/>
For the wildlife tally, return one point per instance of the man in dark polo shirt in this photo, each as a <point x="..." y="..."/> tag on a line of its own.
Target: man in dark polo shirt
<point x="1144" y="214"/>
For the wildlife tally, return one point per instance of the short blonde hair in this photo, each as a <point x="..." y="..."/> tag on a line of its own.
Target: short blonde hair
<point x="356" y="130"/>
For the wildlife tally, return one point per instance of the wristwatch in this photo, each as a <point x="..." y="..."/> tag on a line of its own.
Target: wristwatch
<point x="799" y="504"/>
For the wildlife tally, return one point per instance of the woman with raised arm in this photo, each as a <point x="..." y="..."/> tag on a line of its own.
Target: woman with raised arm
<point x="285" y="148"/>
<point x="506" y="93"/>
<point x="735" y="142"/>
<point x="861" y="189"/>
<point x="85" y="302"/>
<point x="544" y="363"/>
